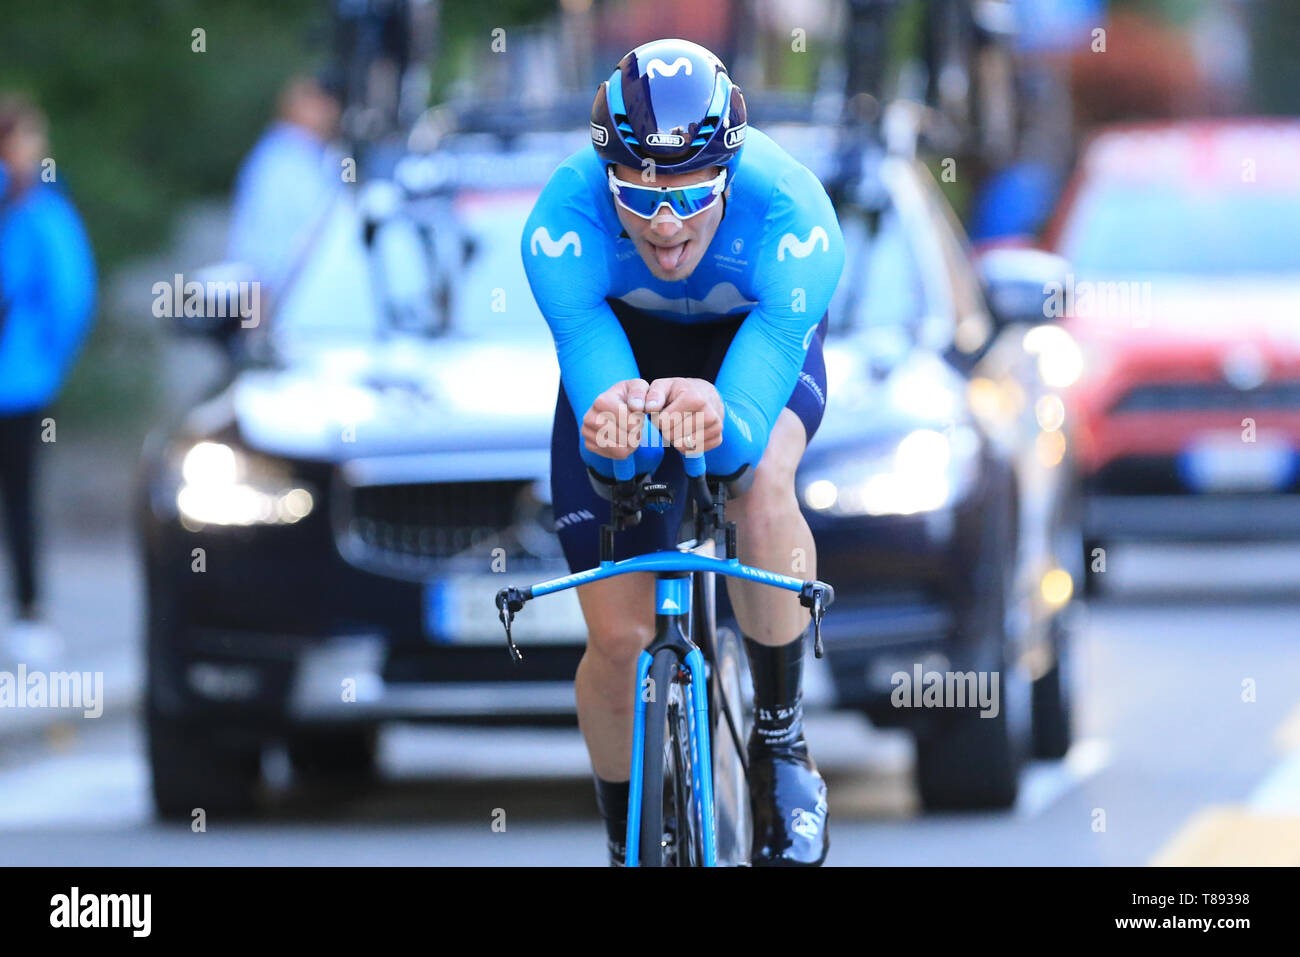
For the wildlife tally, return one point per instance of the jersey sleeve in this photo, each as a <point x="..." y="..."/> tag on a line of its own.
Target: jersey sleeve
<point x="799" y="264"/>
<point x="566" y="258"/>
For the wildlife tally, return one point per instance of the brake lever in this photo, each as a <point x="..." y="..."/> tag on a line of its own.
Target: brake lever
<point x="817" y="597"/>
<point x="509" y="601"/>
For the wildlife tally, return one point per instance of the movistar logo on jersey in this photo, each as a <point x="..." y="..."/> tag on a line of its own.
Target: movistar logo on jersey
<point x="664" y="69"/>
<point x="599" y="134"/>
<point x="735" y="136"/>
<point x="802" y="248"/>
<point x="665" y="139"/>
<point x="554" y="248"/>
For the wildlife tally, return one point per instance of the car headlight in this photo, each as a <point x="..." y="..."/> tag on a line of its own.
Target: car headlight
<point x="221" y="485"/>
<point x="924" y="471"/>
<point x="1060" y="360"/>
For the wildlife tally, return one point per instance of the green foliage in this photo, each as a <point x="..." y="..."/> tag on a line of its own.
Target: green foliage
<point x="467" y="27"/>
<point x="139" y="121"/>
<point x="1276" y="74"/>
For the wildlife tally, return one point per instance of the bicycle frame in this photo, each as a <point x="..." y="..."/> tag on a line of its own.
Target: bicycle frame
<point x="673" y="602"/>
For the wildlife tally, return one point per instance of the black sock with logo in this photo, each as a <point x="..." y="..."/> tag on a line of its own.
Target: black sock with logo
<point x="611" y="800"/>
<point x="778" y="693"/>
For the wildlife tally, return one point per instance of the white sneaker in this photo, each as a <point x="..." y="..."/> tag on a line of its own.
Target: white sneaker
<point x="34" y="643"/>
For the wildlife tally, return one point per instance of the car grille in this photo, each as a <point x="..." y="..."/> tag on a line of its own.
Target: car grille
<point x="1209" y="397"/>
<point x="427" y="521"/>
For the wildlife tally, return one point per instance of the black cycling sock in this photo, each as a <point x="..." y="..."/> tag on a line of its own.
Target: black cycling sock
<point x="611" y="800"/>
<point x="778" y="693"/>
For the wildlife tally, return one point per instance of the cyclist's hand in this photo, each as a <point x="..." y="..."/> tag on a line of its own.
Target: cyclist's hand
<point x="612" y="426"/>
<point x="688" y="413"/>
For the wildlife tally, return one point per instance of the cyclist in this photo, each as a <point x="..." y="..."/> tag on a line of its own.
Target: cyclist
<point x="684" y="266"/>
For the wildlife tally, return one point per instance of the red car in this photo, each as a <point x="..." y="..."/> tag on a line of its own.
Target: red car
<point x="1184" y="244"/>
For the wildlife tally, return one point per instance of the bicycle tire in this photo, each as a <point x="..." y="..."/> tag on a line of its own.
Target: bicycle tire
<point x="725" y="657"/>
<point x="689" y="850"/>
<point x="731" y="808"/>
<point x="669" y="831"/>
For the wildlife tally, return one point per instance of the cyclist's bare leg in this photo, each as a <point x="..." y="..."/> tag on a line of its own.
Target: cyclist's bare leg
<point x="620" y="623"/>
<point x="773" y="535"/>
<point x="787" y="795"/>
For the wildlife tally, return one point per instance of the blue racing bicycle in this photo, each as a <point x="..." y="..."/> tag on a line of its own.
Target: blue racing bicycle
<point x="688" y="804"/>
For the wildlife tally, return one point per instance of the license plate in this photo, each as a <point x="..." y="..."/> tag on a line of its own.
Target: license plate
<point x="1227" y="464"/>
<point x="459" y="610"/>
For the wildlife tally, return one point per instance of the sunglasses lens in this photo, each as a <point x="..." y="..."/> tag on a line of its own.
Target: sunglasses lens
<point x="686" y="201"/>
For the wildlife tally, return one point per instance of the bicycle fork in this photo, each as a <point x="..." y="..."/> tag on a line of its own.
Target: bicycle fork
<point x="672" y="613"/>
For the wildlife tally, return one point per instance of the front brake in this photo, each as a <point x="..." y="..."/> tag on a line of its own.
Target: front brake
<point x="817" y="597"/>
<point x="509" y="601"/>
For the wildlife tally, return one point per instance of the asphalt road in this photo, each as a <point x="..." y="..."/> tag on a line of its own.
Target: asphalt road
<point x="1172" y="765"/>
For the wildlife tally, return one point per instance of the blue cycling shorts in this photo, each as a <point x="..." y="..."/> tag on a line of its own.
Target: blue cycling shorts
<point x="662" y="349"/>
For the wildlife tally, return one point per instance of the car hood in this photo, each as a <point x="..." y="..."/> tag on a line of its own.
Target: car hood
<point x="346" y="403"/>
<point x="920" y="390"/>
<point x="401" y="397"/>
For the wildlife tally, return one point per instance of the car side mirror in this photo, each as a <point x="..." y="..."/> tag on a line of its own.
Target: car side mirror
<point x="214" y="302"/>
<point x="1018" y="283"/>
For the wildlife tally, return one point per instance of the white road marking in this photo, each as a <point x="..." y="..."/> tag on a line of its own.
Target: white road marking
<point x="1043" y="783"/>
<point x="1280" y="789"/>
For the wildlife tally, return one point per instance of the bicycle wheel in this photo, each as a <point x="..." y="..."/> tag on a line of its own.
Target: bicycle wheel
<point x="669" y="828"/>
<point x="730" y="781"/>
<point x="727" y="700"/>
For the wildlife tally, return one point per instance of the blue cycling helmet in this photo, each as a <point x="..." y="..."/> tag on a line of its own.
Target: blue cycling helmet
<point x="672" y="102"/>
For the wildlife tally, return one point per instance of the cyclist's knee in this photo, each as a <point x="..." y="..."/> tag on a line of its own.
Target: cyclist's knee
<point x="615" y="632"/>
<point x="619" y="640"/>
<point x="769" y="497"/>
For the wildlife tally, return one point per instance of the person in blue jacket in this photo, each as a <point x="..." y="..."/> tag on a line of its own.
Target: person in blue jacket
<point x="47" y="294"/>
<point x="684" y="264"/>
<point x="285" y="184"/>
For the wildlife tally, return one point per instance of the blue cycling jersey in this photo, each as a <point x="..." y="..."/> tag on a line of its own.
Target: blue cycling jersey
<point x="777" y="255"/>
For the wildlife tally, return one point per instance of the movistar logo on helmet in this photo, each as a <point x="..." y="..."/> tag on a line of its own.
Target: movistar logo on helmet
<point x="666" y="70"/>
<point x="665" y="139"/>
<point x="735" y="136"/>
<point x="599" y="135"/>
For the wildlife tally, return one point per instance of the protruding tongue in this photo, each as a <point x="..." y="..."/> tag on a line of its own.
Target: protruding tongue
<point x="670" y="256"/>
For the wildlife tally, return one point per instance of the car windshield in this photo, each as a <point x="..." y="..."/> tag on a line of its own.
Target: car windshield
<point x="1150" y="228"/>
<point x="469" y="281"/>
<point x="888" y="290"/>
